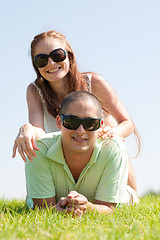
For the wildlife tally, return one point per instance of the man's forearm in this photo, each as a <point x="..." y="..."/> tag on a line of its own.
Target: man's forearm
<point x="42" y="203"/>
<point x="99" y="207"/>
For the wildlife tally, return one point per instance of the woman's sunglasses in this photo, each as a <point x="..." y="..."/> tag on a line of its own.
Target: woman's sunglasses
<point x="57" y="55"/>
<point x="73" y="122"/>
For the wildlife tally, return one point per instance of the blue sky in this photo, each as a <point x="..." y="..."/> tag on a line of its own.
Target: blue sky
<point x="118" y="39"/>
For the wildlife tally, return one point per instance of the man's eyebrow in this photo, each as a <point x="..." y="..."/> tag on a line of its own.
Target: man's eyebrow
<point x="80" y="117"/>
<point x="73" y="116"/>
<point x="69" y="115"/>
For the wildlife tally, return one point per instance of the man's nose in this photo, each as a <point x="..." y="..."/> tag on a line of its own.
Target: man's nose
<point x="80" y="129"/>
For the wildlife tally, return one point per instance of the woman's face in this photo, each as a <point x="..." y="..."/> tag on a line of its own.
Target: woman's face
<point x="52" y="71"/>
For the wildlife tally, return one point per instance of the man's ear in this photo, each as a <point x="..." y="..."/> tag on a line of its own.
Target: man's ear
<point x="58" y="121"/>
<point x="102" y="123"/>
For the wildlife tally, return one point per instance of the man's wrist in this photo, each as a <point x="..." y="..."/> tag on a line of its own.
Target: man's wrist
<point x="90" y="206"/>
<point x="99" y="207"/>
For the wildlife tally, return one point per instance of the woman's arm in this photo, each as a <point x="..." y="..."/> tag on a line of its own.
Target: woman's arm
<point x="112" y="105"/>
<point x="25" y="141"/>
<point x="35" y="107"/>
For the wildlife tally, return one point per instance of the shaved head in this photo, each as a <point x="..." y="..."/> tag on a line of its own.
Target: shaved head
<point x="83" y="96"/>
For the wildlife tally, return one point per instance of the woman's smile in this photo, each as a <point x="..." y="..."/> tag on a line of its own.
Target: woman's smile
<point x="54" y="70"/>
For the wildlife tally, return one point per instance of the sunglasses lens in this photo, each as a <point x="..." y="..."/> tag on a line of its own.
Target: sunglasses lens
<point x="70" y="123"/>
<point x="73" y="123"/>
<point x="41" y="60"/>
<point x="58" y="55"/>
<point x="91" y="124"/>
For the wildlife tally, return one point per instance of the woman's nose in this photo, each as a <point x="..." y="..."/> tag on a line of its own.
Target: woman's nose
<point x="50" y="61"/>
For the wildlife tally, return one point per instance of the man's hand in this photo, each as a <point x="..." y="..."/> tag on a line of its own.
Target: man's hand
<point x="77" y="204"/>
<point x="77" y="201"/>
<point x="74" y="203"/>
<point x="61" y="205"/>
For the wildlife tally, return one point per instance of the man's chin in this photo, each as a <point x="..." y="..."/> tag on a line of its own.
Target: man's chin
<point x="79" y="149"/>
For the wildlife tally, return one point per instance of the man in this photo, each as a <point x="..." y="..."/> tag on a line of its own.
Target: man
<point x="74" y="171"/>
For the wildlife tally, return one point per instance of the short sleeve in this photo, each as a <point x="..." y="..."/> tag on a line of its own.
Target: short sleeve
<point x="39" y="178"/>
<point x="113" y="182"/>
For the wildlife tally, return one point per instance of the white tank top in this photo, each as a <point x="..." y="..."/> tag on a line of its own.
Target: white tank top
<point x="49" y="122"/>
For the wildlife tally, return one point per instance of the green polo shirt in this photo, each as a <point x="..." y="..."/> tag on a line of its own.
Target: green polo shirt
<point x="103" y="178"/>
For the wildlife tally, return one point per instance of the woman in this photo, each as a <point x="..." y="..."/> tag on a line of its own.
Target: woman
<point x="57" y="75"/>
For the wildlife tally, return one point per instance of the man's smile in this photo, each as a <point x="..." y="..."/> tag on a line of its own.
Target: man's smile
<point x="79" y="139"/>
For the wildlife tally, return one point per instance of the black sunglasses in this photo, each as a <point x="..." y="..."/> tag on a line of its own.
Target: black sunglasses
<point x="73" y="122"/>
<point x="57" y="55"/>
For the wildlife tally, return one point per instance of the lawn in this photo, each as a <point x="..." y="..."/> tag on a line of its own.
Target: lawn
<point x="136" y="222"/>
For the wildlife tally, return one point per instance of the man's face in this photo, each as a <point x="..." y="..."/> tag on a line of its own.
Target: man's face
<point x="79" y="140"/>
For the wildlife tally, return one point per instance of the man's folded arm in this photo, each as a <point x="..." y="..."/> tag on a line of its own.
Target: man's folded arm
<point x="39" y="179"/>
<point x="44" y="202"/>
<point x="76" y="201"/>
<point x="103" y="207"/>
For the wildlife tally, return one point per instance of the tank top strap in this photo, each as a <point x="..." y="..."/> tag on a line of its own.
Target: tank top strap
<point x="40" y="94"/>
<point x="34" y="83"/>
<point x="88" y="78"/>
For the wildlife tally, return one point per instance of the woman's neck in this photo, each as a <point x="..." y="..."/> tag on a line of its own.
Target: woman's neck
<point x="61" y="87"/>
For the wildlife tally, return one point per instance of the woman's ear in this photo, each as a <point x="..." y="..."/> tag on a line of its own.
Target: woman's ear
<point x="58" y="121"/>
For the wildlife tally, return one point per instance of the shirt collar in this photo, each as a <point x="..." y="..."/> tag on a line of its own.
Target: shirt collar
<point x="55" y="152"/>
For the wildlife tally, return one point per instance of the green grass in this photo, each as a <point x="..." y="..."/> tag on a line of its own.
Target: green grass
<point x="136" y="222"/>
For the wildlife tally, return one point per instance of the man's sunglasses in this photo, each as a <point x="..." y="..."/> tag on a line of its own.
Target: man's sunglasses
<point x="73" y="122"/>
<point x="57" y="55"/>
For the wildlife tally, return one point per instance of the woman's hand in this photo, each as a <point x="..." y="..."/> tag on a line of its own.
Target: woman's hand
<point x="26" y="143"/>
<point x="107" y="131"/>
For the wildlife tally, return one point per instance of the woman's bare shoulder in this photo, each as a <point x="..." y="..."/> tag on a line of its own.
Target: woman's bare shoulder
<point x="99" y="84"/>
<point x="95" y="77"/>
<point x="31" y="88"/>
<point x="32" y="92"/>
